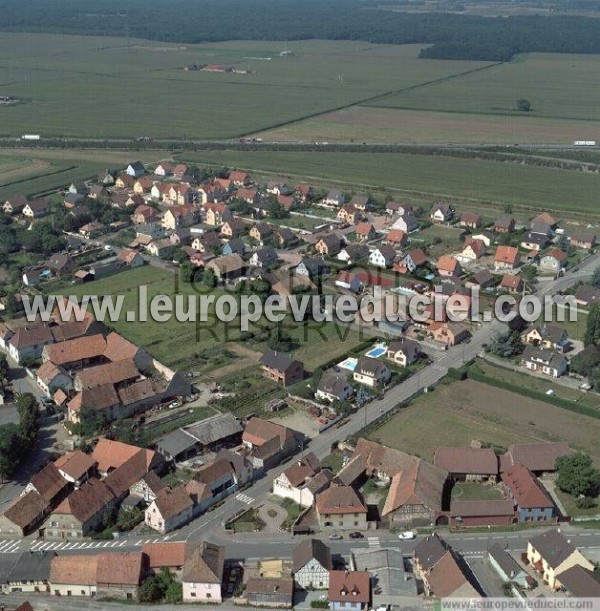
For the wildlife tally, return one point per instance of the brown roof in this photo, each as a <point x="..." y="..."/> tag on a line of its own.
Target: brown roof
<point x="538" y="456"/>
<point x="31" y="335"/>
<point x="214" y="471"/>
<point x="510" y="281"/>
<point x="258" y="432"/>
<point x="580" y="582"/>
<point x="340" y="500"/>
<point x="352" y="586"/>
<point x="470" y="217"/>
<point x="428" y="551"/>
<point x="100" y="397"/>
<point x="506" y="254"/>
<point x="447" y="263"/>
<point x="48" y="371"/>
<point x="297" y="474"/>
<point x="309" y="549"/>
<point x="473" y="461"/>
<point x="26" y="510"/>
<point x="74" y="570"/>
<point x="87" y="501"/>
<point x="111" y="454"/>
<point x="284" y="586"/>
<point x="70" y="351"/>
<point x="396" y="235"/>
<point x="526" y="489"/>
<point x="500" y="507"/>
<point x="117" y="347"/>
<point x="446" y="577"/>
<point x="167" y="554"/>
<point x="75" y="464"/>
<point x="553" y="546"/>
<point x="205" y="565"/>
<point x="49" y="482"/>
<point x="172" y="502"/>
<point x="119" y="568"/>
<point x="109" y="373"/>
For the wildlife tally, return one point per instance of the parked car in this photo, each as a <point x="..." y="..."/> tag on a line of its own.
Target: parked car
<point x="407" y="535"/>
<point x="356" y="535"/>
<point x="336" y="537"/>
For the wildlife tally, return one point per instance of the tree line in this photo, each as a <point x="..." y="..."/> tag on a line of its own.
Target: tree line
<point x="451" y="36"/>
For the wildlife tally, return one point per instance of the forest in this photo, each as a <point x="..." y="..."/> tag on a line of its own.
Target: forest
<point x="451" y="36"/>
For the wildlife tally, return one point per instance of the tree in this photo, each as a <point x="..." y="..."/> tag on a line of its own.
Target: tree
<point x="150" y="591"/>
<point x="29" y="418"/>
<point x="90" y="422"/>
<point x="524" y="105"/>
<point x="187" y="271"/>
<point x="584" y="362"/>
<point x="529" y="273"/>
<point x="209" y="279"/>
<point x="595" y="281"/>
<point x="506" y="344"/>
<point x="4" y="370"/>
<point x="577" y="475"/>
<point x="10" y="450"/>
<point x="592" y="330"/>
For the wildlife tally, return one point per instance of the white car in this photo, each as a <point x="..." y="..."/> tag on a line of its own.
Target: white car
<point x="407" y="535"/>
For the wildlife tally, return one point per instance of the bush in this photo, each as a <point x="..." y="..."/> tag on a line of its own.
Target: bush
<point x="319" y="604"/>
<point x="584" y="502"/>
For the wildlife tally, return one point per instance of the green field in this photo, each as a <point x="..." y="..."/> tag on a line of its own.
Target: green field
<point x="105" y="87"/>
<point x="558" y="86"/>
<point x="428" y="177"/>
<point x="43" y="170"/>
<point x="187" y="345"/>
<point x="457" y="413"/>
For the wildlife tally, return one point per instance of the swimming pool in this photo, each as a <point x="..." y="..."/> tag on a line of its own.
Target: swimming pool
<point x="376" y="352"/>
<point x="349" y="363"/>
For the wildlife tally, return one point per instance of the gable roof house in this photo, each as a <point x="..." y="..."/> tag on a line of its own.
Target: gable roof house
<point x="14" y="205"/>
<point x="403" y="351"/>
<point x="554" y="261"/>
<point x="383" y="256"/>
<point x="280" y="368"/>
<point x="352" y="253"/>
<point x="448" y="266"/>
<point x="365" y="231"/>
<point x="396" y="237"/>
<point x="334" y="198"/>
<point x="274" y="592"/>
<point x="312" y="267"/>
<point x="446" y="579"/>
<point x="504" y="224"/>
<point x="73" y="575"/>
<point x="406" y="222"/>
<point x="227" y="267"/>
<point x="512" y="283"/>
<point x="471" y="220"/>
<point x="468" y="464"/>
<point x="312" y="564"/>
<point x="371" y="372"/>
<point x="539" y="458"/>
<point x="360" y="202"/>
<point x="36" y="208"/>
<point x="349" y="590"/>
<point x="118" y="575"/>
<point x="531" y="500"/>
<point x="334" y="387"/>
<point x="135" y="169"/>
<point x="267" y="443"/>
<point x="472" y="251"/>
<point x="552" y="337"/>
<point x="340" y="508"/>
<point x="349" y="214"/>
<point x="506" y="257"/>
<point x="544" y="361"/>
<point x="329" y="245"/>
<point x="202" y="576"/>
<point x="264" y="258"/>
<point x="300" y="482"/>
<point x="172" y="507"/>
<point x="552" y="554"/>
<point x="441" y="213"/>
<point x="75" y="467"/>
<point x="24" y="514"/>
<point x="535" y="241"/>
<point x="418" y="490"/>
<point x="583" y="239"/>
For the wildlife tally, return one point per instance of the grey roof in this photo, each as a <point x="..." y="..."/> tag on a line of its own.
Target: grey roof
<point x="176" y="443"/>
<point x="536" y="238"/>
<point x="369" y="366"/>
<point x="429" y="550"/>
<point x="504" y="221"/>
<point x="266" y="254"/>
<point x="215" y="428"/>
<point x="548" y="357"/>
<point x="505" y="561"/>
<point x="409" y="347"/>
<point x="388" y="578"/>
<point x="482" y="277"/>
<point x="314" y="265"/>
<point x="554" y="547"/>
<point x="348" y="474"/>
<point x="276" y="360"/>
<point x="309" y="549"/>
<point x="357" y="250"/>
<point x="31" y="566"/>
<point x="580" y="582"/>
<point x="319" y="482"/>
<point x="333" y="384"/>
<point x="540" y="227"/>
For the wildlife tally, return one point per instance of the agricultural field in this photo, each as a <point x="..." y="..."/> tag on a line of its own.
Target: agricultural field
<point x="457" y="413"/>
<point x="368" y="124"/>
<point x="118" y="88"/>
<point x="211" y="345"/>
<point x="44" y="170"/>
<point x="424" y="177"/>
<point x="557" y="86"/>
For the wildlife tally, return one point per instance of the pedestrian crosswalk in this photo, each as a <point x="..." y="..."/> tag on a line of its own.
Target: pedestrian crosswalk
<point x="373" y="542"/>
<point x="10" y="547"/>
<point x="61" y="546"/>
<point x="245" y="499"/>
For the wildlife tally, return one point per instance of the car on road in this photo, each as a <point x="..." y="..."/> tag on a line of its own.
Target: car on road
<point x="335" y="537"/>
<point x="407" y="535"/>
<point x="107" y="247"/>
<point x="356" y="535"/>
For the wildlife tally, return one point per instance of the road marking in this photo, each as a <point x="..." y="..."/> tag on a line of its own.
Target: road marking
<point x="373" y="541"/>
<point x="245" y="498"/>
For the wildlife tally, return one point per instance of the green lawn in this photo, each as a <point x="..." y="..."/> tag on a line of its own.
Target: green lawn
<point x="92" y="86"/>
<point x="425" y="177"/>
<point x="470" y="491"/>
<point x="571" y="508"/>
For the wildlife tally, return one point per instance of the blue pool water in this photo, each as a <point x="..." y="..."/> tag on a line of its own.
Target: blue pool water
<point x="376" y="352"/>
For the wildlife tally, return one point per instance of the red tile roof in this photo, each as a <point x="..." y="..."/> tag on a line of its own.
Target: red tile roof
<point x="350" y="586"/>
